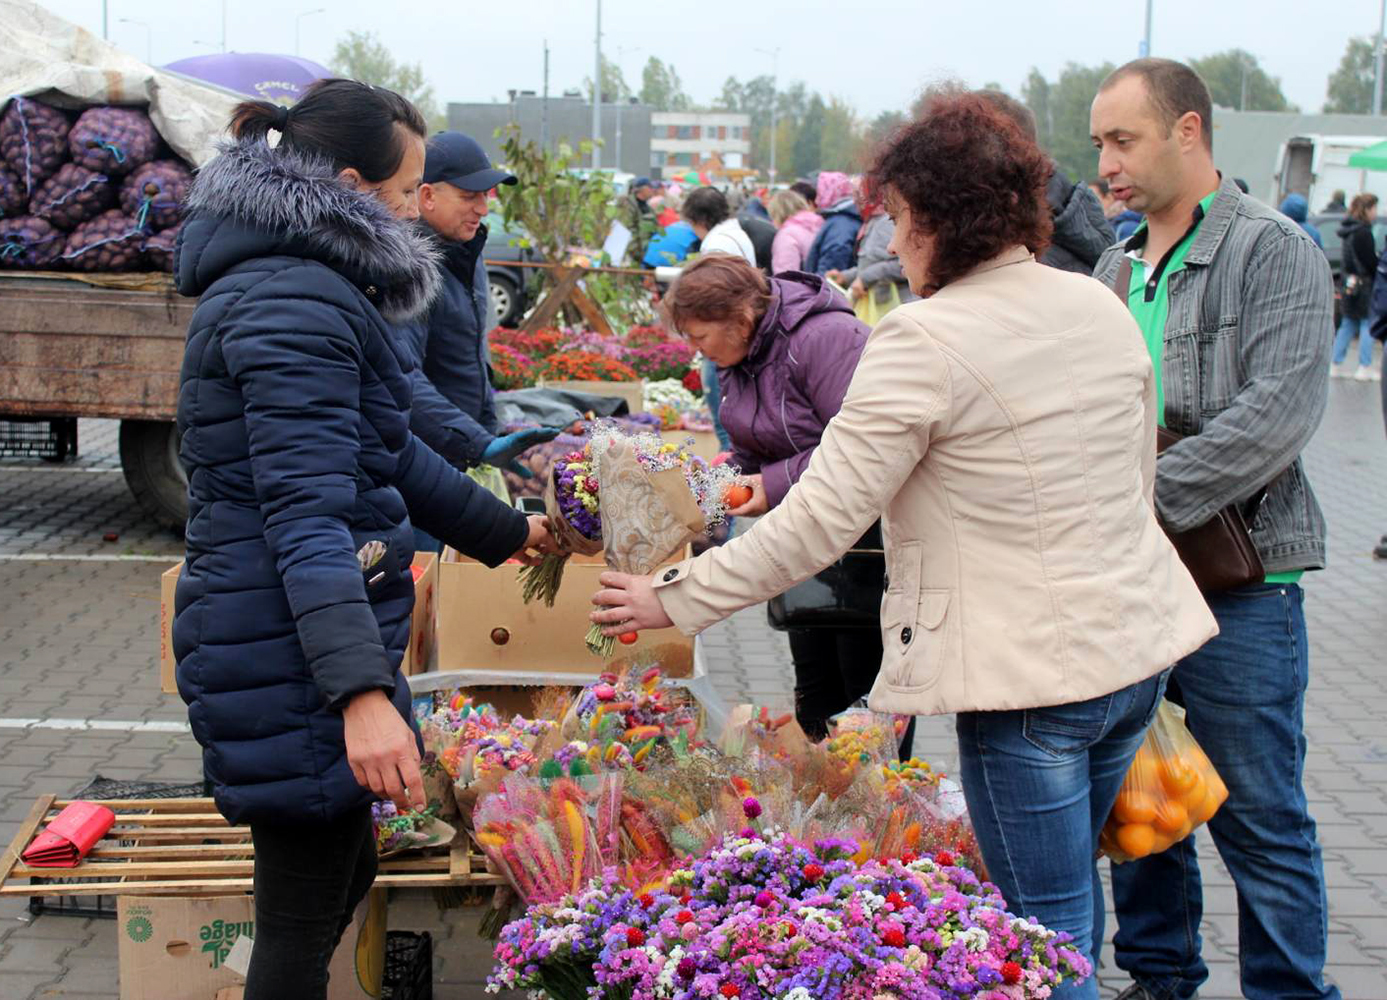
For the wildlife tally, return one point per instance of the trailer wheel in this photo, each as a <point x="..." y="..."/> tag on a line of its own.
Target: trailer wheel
<point x="149" y="458"/>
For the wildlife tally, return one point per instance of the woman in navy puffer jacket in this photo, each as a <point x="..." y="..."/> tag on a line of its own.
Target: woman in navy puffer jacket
<point x="292" y="612"/>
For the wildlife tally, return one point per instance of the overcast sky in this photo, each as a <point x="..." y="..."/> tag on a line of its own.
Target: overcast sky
<point x="876" y="56"/>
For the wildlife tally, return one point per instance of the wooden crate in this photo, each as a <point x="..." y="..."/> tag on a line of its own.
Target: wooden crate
<point x="184" y="846"/>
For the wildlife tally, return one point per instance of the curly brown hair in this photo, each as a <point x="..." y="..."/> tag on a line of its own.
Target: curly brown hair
<point x="973" y="180"/>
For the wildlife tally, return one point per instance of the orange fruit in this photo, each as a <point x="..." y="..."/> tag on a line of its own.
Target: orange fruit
<point x="1134" y="806"/>
<point x="1176" y="775"/>
<point x="1135" y="839"/>
<point x="1172" y="818"/>
<point x="1207" y="808"/>
<point x="1193" y="796"/>
<point x="1144" y="774"/>
<point x="1164" y="842"/>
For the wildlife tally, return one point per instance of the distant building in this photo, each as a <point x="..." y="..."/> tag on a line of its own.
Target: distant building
<point x="693" y="140"/>
<point x="625" y="127"/>
<point x="1247" y="144"/>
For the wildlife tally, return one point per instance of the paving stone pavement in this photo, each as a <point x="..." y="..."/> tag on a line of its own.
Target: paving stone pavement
<point x="77" y="640"/>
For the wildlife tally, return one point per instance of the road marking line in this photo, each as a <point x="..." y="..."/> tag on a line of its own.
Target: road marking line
<point x="63" y="557"/>
<point x="96" y="725"/>
<point x="51" y="468"/>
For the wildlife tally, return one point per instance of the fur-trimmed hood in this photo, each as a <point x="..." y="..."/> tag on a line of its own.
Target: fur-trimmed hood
<point x="253" y="201"/>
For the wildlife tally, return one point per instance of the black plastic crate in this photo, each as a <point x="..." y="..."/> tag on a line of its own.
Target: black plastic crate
<point x="408" y="966"/>
<point x="105" y="788"/>
<point x="52" y="440"/>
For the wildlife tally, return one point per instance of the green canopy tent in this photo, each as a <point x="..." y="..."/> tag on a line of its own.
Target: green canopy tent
<point x="1372" y="158"/>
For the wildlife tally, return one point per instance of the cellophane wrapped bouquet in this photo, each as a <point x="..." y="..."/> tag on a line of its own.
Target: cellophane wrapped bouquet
<point x="414" y="830"/>
<point x="764" y="916"/>
<point x="633" y="496"/>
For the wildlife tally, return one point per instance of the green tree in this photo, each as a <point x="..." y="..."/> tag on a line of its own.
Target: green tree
<point x="1235" y="80"/>
<point x="1061" y="111"/>
<point x="1351" y="85"/>
<point x="844" y="144"/>
<point x="661" y="87"/>
<point x="614" y="86"/>
<point x="808" y="155"/>
<point x="359" y="55"/>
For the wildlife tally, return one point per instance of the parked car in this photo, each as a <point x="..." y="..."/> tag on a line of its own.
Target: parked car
<point x="510" y="284"/>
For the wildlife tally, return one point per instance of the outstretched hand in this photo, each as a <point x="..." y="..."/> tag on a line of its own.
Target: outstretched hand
<point x="628" y="604"/>
<point x="539" y="542"/>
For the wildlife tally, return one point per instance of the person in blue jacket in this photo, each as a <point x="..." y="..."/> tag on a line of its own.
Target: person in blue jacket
<point x="835" y="244"/>
<point x="293" y="608"/>
<point x="454" y="403"/>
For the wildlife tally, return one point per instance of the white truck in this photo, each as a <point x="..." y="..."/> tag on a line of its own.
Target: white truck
<point x="1317" y="166"/>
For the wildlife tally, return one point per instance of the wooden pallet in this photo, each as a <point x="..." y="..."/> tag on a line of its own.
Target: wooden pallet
<point x="184" y="847"/>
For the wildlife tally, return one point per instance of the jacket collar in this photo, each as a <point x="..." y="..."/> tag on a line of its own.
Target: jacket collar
<point x="1212" y="228"/>
<point x="1014" y="255"/>
<point x="266" y="202"/>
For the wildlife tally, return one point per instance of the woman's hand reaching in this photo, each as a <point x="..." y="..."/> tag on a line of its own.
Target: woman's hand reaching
<point x="538" y="544"/>
<point x="629" y="604"/>
<point x="382" y="751"/>
<point x="759" y="502"/>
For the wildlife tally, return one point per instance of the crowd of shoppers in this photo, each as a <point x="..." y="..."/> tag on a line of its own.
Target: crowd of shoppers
<point x="997" y="427"/>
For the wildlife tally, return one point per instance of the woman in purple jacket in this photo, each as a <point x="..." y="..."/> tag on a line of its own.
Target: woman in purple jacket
<point x="786" y="348"/>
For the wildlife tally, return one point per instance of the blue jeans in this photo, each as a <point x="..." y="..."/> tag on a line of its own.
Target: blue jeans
<point x="713" y="394"/>
<point x="1040" y="783"/>
<point x="1347" y="329"/>
<point x="1244" y="693"/>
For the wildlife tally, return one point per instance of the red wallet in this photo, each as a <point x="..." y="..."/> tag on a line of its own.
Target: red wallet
<point x="71" y="835"/>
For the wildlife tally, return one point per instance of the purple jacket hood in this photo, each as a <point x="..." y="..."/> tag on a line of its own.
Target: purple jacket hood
<point x="777" y="402"/>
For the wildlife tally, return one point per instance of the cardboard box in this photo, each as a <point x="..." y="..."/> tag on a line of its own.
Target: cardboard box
<point x="515" y="691"/>
<point x="632" y="392"/>
<point x="177" y="947"/>
<point x="423" y="627"/>
<point x="167" y="665"/>
<point x="483" y="624"/>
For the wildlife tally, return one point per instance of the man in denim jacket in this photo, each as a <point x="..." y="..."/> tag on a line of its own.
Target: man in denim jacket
<point x="1236" y="305"/>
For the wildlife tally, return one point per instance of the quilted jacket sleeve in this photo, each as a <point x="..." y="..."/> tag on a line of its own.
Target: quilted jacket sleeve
<point x="297" y="362"/>
<point x="454" y="507"/>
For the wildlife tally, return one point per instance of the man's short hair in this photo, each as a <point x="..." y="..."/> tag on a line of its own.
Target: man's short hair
<point x="1023" y="116"/>
<point x="706" y="206"/>
<point x="1174" y="90"/>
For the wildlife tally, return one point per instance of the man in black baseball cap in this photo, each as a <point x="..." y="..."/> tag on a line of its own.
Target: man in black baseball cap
<point x="454" y="410"/>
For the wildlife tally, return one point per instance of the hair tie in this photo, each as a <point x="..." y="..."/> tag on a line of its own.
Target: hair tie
<point x="281" y="121"/>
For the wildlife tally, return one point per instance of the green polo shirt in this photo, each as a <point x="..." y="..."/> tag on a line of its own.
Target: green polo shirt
<point x="1149" y="301"/>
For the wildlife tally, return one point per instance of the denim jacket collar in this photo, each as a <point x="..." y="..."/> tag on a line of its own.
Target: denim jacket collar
<point x="1215" y="225"/>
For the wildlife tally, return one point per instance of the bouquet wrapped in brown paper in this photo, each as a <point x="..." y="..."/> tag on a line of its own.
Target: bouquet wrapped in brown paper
<point x="635" y="497"/>
<point x="656" y="497"/>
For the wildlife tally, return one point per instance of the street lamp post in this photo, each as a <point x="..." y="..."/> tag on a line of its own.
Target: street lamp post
<point x="298" y="19"/>
<point x="148" y="57"/>
<point x="1146" y="40"/>
<point x="775" y="78"/>
<point x="597" y="96"/>
<point x="1377" y="61"/>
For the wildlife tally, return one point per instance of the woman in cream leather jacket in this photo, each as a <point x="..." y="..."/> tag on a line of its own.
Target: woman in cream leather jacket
<point x="1004" y="430"/>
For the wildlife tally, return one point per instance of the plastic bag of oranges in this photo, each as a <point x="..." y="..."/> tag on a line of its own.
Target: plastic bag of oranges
<point x="1170" y="789"/>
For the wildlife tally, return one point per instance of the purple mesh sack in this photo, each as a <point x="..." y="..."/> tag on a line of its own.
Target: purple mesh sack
<point x="113" y="141"/>
<point x="158" y="249"/>
<point x="33" y="141"/>
<point x="72" y="196"/>
<point x="161" y="186"/>
<point x="29" y="242"/>
<point x="13" y="198"/>
<point x="113" y="241"/>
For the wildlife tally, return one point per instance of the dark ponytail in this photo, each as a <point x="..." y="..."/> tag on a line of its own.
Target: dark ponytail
<point x="350" y="123"/>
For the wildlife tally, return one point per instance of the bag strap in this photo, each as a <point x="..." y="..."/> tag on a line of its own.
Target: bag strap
<point x="1122" y="284"/>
